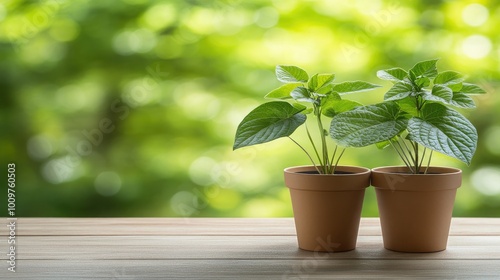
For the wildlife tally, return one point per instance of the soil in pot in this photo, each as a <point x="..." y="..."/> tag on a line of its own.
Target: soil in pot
<point x="327" y="208"/>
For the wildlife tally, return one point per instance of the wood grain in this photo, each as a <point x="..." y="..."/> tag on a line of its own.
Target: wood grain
<point x="230" y="247"/>
<point x="212" y="226"/>
<point x="234" y="248"/>
<point x="257" y="269"/>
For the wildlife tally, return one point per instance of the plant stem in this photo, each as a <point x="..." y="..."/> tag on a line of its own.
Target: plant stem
<point x="326" y="162"/>
<point x="417" y="169"/>
<point x="338" y="159"/>
<point x="408" y="161"/>
<point x="408" y="149"/>
<point x="428" y="162"/>
<point x="306" y="154"/>
<point x="332" y="167"/>
<point x="420" y="103"/>
<point x="422" y="159"/>
<point x="314" y="146"/>
<point x="401" y="156"/>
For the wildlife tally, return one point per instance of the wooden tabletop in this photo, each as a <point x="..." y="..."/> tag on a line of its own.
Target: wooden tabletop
<point x="233" y="248"/>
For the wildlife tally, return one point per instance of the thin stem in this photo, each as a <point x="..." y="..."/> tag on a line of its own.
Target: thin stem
<point x="337" y="162"/>
<point x="416" y="158"/>
<point x="420" y="103"/>
<point x="422" y="159"/>
<point x="314" y="146"/>
<point x="428" y="162"/>
<point x="323" y="140"/>
<point x="332" y="168"/>
<point x="314" y="164"/>
<point x="401" y="156"/>
<point x="408" y="149"/>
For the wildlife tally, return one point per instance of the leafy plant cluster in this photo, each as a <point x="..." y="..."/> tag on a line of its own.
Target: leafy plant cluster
<point x="416" y="117"/>
<point x="318" y="96"/>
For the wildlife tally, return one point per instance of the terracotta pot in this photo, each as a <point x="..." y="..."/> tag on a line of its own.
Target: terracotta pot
<point x="327" y="208"/>
<point x="415" y="209"/>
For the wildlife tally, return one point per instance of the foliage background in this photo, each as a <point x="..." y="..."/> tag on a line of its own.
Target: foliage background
<point x="129" y="108"/>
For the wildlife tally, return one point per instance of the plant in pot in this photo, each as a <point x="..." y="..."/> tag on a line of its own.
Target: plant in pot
<point x="326" y="197"/>
<point x="416" y="200"/>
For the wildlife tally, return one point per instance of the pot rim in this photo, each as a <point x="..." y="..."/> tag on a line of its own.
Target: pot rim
<point x="388" y="179"/>
<point x="446" y="170"/>
<point x="356" y="181"/>
<point x="296" y="169"/>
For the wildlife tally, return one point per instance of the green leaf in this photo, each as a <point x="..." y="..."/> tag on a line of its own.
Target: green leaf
<point x="444" y="130"/>
<point x="440" y="93"/>
<point x="455" y="87"/>
<point x="320" y="80"/>
<point x="472" y="89"/>
<point x="424" y="69"/>
<point x="302" y="94"/>
<point x="291" y="74"/>
<point x="283" y="92"/>
<point x="327" y="89"/>
<point x="268" y="122"/>
<point x="354" y="86"/>
<point x="299" y="107"/>
<point x="382" y="145"/>
<point x="422" y="82"/>
<point x="408" y="106"/>
<point x="367" y="125"/>
<point x="451" y="79"/>
<point x="398" y="91"/>
<point x="461" y="100"/>
<point x="329" y="99"/>
<point x="339" y="106"/>
<point x="307" y="111"/>
<point x="393" y="74"/>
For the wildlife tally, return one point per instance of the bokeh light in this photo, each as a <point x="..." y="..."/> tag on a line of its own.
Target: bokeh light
<point x="129" y="108"/>
<point x="486" y="180"/>
<point x="475" y="14"/>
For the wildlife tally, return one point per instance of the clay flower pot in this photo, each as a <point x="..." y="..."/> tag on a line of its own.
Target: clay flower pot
<point x="415" y="209"/>
<point x="327" y="208"/>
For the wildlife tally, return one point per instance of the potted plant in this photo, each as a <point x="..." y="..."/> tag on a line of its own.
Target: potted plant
<point x="326" y="198"/>
<point x="415" y="201"/>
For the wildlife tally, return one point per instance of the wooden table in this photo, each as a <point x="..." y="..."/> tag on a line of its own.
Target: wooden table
<point x="233" y="248"/>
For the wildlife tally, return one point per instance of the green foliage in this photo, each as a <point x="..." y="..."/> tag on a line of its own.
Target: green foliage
<point x="174" y="77"/>
<point x="291" y="74"/>
<point x="451" y="79"/>
<point x="444" y="130"/>
<point x="351" y="87"/>
<point x="277" y="119"/>
<point x="393" y="74"/>
<point x="283" y="92"/>
<point x="268" y="122"/>
<point x="399" y="91"/>
<point x="368" y="125"/>
<point x="318" y="81"/>
<point x="471" y="89"/>
<point x="331" y="108"/>
<point x="422" y="114"/>
<point x="424" y="69"/>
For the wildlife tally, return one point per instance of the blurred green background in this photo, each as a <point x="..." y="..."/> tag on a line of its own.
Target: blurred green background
<point x="129" y="108"/>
